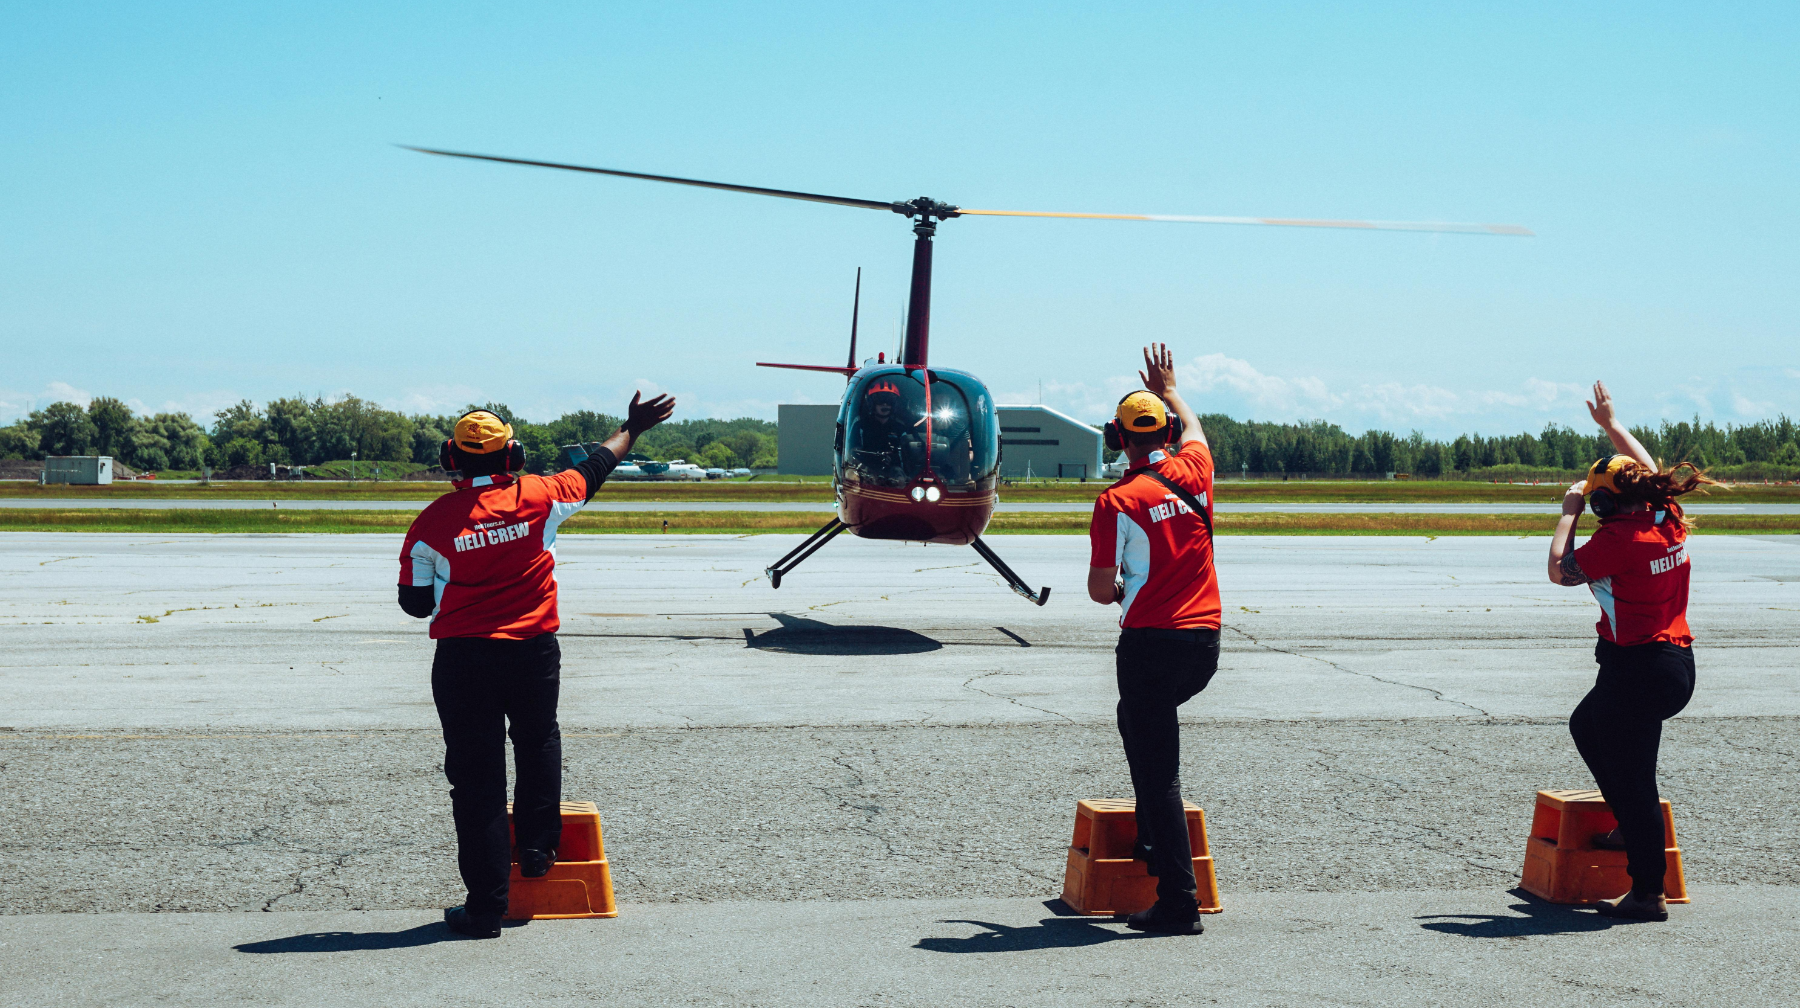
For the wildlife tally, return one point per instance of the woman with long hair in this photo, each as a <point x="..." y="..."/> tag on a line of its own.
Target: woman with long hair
<point x="1636" y="564"/>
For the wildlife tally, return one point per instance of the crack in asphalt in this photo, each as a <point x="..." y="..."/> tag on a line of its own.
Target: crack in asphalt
<point x="970" y="685"/>
<point x="869" y="811"/>
<point x="1435" y="694"/>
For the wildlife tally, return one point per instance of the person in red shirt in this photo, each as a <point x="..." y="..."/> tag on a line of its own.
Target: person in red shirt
<point x="480" y="561"/>
<point x="1152" y="555"/>
<point x="1636" y="565"/>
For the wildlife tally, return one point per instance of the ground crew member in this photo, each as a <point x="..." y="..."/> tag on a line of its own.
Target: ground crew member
<point x="1637" y="567"/>
<point x="1153" y="556"/>
<point x="480" y="561"/>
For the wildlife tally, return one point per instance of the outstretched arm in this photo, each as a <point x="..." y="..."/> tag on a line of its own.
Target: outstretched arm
<point x="1563" y="568"/>
<point x="639" y="417"/>
<point x="1159" y="377"/>
<point x="1601" y="409"/>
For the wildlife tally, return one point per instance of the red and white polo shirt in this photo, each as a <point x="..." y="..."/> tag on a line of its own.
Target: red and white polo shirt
<point x="488" y="549"/>
<point x="1637" y="567"/>
<point x="1162" y="549"/>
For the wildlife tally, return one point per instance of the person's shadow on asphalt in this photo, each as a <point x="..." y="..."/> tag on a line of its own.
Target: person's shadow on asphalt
<point x="352" y="941"/>
<point x="1050" y="933"/>
<point x="1536" y="917"/>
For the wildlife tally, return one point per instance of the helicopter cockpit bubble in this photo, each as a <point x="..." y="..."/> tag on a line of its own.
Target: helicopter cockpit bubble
<point x="902" y="424"/>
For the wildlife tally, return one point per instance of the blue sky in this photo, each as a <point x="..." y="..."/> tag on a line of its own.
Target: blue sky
<point x="203" y="203"/>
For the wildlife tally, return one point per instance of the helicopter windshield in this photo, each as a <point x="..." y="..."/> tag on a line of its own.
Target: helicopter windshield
<point x="899" y="428"/>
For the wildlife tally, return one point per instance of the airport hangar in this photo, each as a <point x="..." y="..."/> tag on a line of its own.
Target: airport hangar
<point x="1035" y="441"/>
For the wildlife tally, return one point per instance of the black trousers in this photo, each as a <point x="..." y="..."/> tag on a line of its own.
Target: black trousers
<point x="1618" y="728"/>
<point x="480" y="685"/>
<point x="1159" y="670"/>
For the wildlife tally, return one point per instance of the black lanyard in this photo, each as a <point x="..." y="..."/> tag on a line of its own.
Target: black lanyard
<point x="1186" y="498"/>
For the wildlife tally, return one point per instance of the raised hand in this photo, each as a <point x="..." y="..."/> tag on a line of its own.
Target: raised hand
<point x="1159" y="369"/>
<point x="641" y="416"/>
<point x="1601" y="407"/>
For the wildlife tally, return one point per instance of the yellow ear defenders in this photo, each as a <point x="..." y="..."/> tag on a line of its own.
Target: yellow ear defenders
<point x="1602" y="484"/>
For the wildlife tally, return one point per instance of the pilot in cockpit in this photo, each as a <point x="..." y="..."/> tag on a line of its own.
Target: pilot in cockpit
<point x="881" y="436"/>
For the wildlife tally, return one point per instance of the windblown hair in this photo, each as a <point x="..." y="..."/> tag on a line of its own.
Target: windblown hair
<point x="1638" y="485"/>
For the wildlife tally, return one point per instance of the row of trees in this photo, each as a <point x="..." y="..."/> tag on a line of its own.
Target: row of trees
<point x="301" y="431"/>
<point x="1320" y="447"/>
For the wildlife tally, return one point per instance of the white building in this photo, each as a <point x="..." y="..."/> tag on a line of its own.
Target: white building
<point x="1039" y="441"/>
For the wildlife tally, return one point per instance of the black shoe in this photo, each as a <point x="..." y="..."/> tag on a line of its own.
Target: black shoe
<point x="1162" y="921"/>
<point x="534" y="863"/>
<point x="1629" y="907"/>
<point x="1608" y="841"/>
<point x="460" y="920"/>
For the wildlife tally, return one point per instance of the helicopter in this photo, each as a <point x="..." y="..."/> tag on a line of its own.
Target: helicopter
<point x="916" y="449"/>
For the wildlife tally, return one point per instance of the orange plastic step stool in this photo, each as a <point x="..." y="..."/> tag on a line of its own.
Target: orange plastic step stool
<point x="1103" y="879"/>
<point x="578" y="885"/>
<point x="1561" y="863"/>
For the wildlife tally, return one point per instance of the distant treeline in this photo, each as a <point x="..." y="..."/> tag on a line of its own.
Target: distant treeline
<point x="1768" y="447"/>
<point x="301" y="431"/>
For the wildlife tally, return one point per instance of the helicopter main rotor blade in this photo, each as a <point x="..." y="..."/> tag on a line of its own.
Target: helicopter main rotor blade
<point x="784" y="193"/>
<point x="1496" y="229"/>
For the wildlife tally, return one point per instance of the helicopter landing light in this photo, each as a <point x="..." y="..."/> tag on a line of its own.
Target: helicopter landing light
<point x="932" y="494"/>
<point x="918" y="493"/>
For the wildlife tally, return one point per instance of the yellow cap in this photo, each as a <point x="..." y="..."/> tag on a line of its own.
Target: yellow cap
<point x="1603" y="475"/>
<point x="1142" y="411"/>
<point x="481" y="432"/>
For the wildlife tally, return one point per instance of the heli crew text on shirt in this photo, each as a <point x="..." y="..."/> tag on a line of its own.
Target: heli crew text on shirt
<point x="481" y="562"/>
<point x="1152" y="554"/>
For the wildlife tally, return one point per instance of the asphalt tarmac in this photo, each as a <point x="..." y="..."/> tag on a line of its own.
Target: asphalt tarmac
<point x="1551" y="507"/>
<point x="835" y="792"/>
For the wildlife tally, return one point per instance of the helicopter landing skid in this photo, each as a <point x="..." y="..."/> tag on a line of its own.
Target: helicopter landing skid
<point x="1013" y="581"/>
<point x="802" y="551"/>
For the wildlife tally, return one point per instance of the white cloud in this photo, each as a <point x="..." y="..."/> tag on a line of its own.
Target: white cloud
<point x="1306" y="397"/>
<point x="1752" y="409"/>
<point x="1231" y="385"/>
<point x="434" y="399"/>
<point x="64" y="392"/>
<point x="15" y="405"/>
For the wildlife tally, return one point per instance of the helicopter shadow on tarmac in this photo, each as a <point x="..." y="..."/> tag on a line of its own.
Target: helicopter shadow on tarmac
<point x="802" y="636"/>
<point x="798" y="635"/>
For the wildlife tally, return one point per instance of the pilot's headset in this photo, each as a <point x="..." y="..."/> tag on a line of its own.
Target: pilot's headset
<point x="1115" y="439"/>
<point x="480" y="432"/>
<point x="1603" y="486"/>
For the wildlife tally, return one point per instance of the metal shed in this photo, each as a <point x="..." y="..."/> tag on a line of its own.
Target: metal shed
<point x="80" y="469"/>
